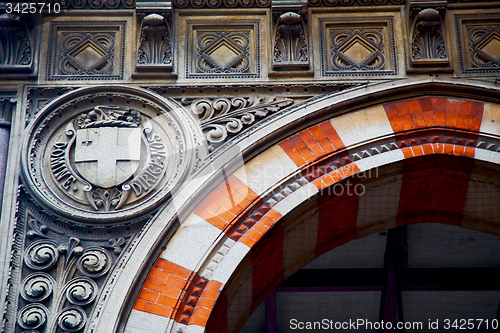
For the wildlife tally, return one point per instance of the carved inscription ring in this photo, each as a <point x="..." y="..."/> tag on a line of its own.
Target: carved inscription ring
<point x="106" y="154"/>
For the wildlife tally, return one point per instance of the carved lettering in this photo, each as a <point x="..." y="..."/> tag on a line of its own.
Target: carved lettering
<point x="58" y="166"/>
<point x="147" y="179"/>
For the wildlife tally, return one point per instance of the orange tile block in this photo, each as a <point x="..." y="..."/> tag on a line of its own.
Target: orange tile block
<point x="319" y="184"/>
<point x="392" y="114"/>
<point x="407" y="152"/>
<point x="250" y="242"/>
<point x="470" y="152"/>
<point x="167" y="300"/>
<point x="459" y="150"/>
<point x="452" y="108"/>
<point x="158" y="274"/>
<point x="148" y="295"/>
<point x="172" y="268"/>
<point x="332" y="135"/>
<point x="312" y="143"/>
<point x="416" y="113"/>
<point x="292" y="152"/>
<point x="162" y="287"/>
<point x="198" y="320"/>
<point x="440" y="105"/>
<point x="476" y="116"/>
<point x="153" y="308"/>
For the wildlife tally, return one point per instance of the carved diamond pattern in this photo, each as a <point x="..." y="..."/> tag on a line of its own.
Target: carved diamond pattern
<point x="357" y="50"/>
<point x="223" y="52"/>
<point x="485" y="46"/>
<point x="87" y="54"/>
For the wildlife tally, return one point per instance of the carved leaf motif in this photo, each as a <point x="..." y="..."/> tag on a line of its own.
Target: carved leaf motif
<point x="15" y="41"/>
<point x="427" y="39"/>
<point x="154" y="46"/>
<point x="221" y="116"/>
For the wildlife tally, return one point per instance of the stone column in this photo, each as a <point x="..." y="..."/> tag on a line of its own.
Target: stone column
<point x="5" y="117"/>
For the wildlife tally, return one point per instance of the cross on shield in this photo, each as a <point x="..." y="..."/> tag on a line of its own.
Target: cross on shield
<point x="107" y="156"/>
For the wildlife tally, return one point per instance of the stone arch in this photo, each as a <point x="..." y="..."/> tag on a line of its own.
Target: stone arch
<point x="188" y="277"/>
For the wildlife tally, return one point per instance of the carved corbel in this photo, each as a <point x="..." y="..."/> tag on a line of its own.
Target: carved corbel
<point x="290" y="45"/>
<point x="427" y="36"/>
<point x="155" y="51"/>
<point x="16" y="43"/>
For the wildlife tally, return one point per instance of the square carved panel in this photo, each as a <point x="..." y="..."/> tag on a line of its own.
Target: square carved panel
<point x="223" y="50"/>
<point x="357" y="47"/>
<point x="86" y="51"/>
<point x="479" y="43"/>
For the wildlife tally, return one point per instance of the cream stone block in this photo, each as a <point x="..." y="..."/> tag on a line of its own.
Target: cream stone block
<point x="491" y="119"/>
<point x="380" y="160"/>
<point x="266" y="169"/>
<point x="143" y="322"/>
<point x="487" y="155"/>
<point x="380" y="201"/>
<point x="295" y="199"/>
<point x="191" y="242"/>
<point x="360" y="126"/>
<point x="230" y="262"/>
<point x="194" y="329"/>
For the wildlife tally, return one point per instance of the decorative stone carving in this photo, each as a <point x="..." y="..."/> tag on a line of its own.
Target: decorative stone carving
<point x="365" y="48"/>
<point x="428" y="47"/>
<point x="221" y="3"/>
<point x="98" y="4"/>
<point x="155" y="49"/>
<point x="16" y="43"/>
<point x="103" y="157"/>
<point x="357" y="50"/>
<point x="224" y="50"/>
<point x="86" y="51"/>
<point x="479" y="43"/>
<point x="223" y="117"/>
<point x="290" y="41"/>
<point x="485" y="46"/>
<point x="347" y="3"/>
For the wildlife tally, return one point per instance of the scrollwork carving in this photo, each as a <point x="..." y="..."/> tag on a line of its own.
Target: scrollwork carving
<point x="81" y="291"/>
<point x="71" y="319"/>
<point x="37" y="287"/>
<point x="222" y="116"/>
<point x="94" y="262"/>
<point x="32" y="316"/>
<point x="41" y="255"/>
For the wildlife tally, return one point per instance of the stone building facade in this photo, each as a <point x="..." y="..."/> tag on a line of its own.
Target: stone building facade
<point x="166" y="166"/>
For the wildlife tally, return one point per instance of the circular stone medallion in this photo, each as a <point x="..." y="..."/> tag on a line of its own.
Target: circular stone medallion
<point x="106" y="154"/>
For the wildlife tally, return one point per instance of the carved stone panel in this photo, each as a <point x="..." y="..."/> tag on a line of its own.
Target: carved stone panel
<point x="223" y="50"/>
<point x="155" y="51"/>
<point x="16" y="43"/>
<point x="358" y="47"/>
<point x="479" y="44"/>
<point x="428" y="42"/>
<point x="290" y="49"/>
<point x="105" y="155"/>
<point x="86" y="51"/>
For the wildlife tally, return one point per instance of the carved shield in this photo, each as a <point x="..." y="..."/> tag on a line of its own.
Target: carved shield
<point x="107" y="156"/>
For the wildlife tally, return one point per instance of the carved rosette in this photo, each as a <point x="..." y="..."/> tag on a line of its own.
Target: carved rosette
<point x="103" y="157"/>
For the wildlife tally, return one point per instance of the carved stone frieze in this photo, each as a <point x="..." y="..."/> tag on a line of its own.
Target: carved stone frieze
<point x="428" y="47"/>
<point x="16" y="43"/>
<point x="365" y="47"/>
<point x="479" y="43"/>
<point x="98" y="4"/>
<point x="58" y="276"/>
<point x="229" y="50"/>
<point x="221" y="3"/>
<point x="103" y="157"/>
<point x="221" y="118"/>
<point x="347" y="3"/>
<point x="290" y="40"/>
<point x="155" y="50"/>
<point x="86" y="51"/>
